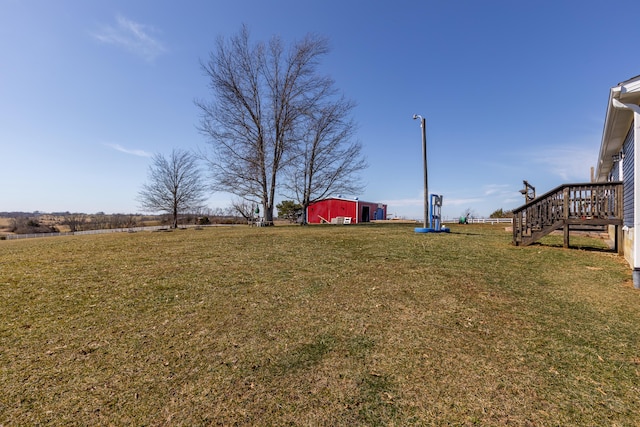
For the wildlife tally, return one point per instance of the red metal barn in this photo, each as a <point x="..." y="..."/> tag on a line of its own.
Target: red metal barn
<point x="338" y="210"/>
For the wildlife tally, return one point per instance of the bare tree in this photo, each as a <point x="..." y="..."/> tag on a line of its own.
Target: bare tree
<point x="329" y="159"/>
<point x="175" y="185"/>
<point x="261" y="96"/>
<point x="245" y="208"/>
<point x="75" y="221"/>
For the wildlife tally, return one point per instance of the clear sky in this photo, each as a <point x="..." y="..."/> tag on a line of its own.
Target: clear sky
<point x="511" y="90"/>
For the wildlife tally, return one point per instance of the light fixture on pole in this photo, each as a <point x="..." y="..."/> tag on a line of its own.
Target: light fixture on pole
<point x="423" y="125"/>
<point x="529" y="192"/>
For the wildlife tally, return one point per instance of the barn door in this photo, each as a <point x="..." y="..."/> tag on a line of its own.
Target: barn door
<point x="365" y="214"/>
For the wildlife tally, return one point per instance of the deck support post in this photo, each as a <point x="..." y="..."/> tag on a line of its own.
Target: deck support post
<point x="618" y="246"/>
<point x="619" y="228"/>
<point x="565" y="196"/>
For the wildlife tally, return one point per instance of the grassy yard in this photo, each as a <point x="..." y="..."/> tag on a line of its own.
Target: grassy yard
<point x="319" y="325"/>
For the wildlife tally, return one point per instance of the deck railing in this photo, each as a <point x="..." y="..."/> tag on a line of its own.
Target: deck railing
<point x="568" y="204"/>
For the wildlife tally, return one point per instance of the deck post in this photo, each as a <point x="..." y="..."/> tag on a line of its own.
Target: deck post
<point x="619" y="212"/>
<point x="619" y="247"/>
<point x="565" y="196"/>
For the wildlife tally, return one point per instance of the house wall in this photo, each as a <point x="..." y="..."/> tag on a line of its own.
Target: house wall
<point x="628" y="169"/>
<point x="614" y="175"/>
<point x="627" y="243"/>
<point x="628" y="172"/>
<point x="622" y="134"/>
<point x="628" y="177"/>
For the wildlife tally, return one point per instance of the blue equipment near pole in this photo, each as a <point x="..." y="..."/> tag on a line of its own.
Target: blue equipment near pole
<point x="434" y="217"/>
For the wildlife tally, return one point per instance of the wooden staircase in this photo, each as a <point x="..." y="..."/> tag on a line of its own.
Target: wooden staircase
<point x="570" y="206"/>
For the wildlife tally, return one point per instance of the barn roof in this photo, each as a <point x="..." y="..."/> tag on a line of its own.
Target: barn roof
<point x="349" y="200"/>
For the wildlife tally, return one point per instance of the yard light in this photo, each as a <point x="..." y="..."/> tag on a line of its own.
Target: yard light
<point x="423" y="125"/>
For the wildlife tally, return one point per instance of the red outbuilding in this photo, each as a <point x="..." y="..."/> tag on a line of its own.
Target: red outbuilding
<point x="337" y="210"/>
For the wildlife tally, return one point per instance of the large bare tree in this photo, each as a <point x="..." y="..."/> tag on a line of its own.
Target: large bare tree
<point x="175" y="185"/>
<point x="329" y="158"/>
<point x="261" y="96"/>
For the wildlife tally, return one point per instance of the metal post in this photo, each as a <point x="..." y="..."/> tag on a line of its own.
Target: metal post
<point x="423" y="125"/>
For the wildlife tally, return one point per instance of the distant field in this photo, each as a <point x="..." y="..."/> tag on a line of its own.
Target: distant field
<point x="25" y="223"/>
<point x="318" y="325"/>
<point x="4" y="222"/>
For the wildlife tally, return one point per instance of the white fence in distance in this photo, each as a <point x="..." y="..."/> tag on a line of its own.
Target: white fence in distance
<point x="479" y="220"/>
<point x="80" y="233"/>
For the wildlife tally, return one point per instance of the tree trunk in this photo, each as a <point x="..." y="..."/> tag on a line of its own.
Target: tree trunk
<point x="305" y="220"/>
<point x="268" y="212"/>
<point x="175" y="217"/>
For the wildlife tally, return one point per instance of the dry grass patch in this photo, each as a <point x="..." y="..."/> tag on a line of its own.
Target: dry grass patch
<point x="359" y="325"/>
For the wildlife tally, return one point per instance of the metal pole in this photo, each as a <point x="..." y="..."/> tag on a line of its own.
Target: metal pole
<point x="423" y="125"/>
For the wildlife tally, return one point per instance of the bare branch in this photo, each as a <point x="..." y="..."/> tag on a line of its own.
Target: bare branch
<point x="175" y="185"/>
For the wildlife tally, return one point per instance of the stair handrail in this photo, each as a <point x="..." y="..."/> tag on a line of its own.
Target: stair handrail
<point x="561" y="188"/>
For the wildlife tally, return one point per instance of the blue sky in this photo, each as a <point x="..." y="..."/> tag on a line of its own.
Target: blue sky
<point x="511" y="90"/>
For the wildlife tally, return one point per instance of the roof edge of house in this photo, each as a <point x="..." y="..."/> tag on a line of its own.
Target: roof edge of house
<point x="616" y="124"/>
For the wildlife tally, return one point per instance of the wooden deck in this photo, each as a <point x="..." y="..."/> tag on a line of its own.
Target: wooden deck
<point x="570" y="206"/>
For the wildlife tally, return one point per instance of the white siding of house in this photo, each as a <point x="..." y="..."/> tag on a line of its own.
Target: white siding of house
<point x="628" y="172"/>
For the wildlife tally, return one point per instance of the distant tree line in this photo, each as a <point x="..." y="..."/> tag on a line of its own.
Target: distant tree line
<point x="238" y="212"/>
<point x="37" y="222"/>
<point x="27" y="225"/>
<point x="501" y="213"/>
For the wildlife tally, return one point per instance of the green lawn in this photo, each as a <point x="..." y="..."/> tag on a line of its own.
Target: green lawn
<point x="319" y="325"/>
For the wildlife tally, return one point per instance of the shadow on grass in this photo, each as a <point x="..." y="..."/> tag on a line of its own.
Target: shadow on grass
<point x="574" y="247"/>
<point x="375" y="402"/>
<point x="306" y="355"/>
